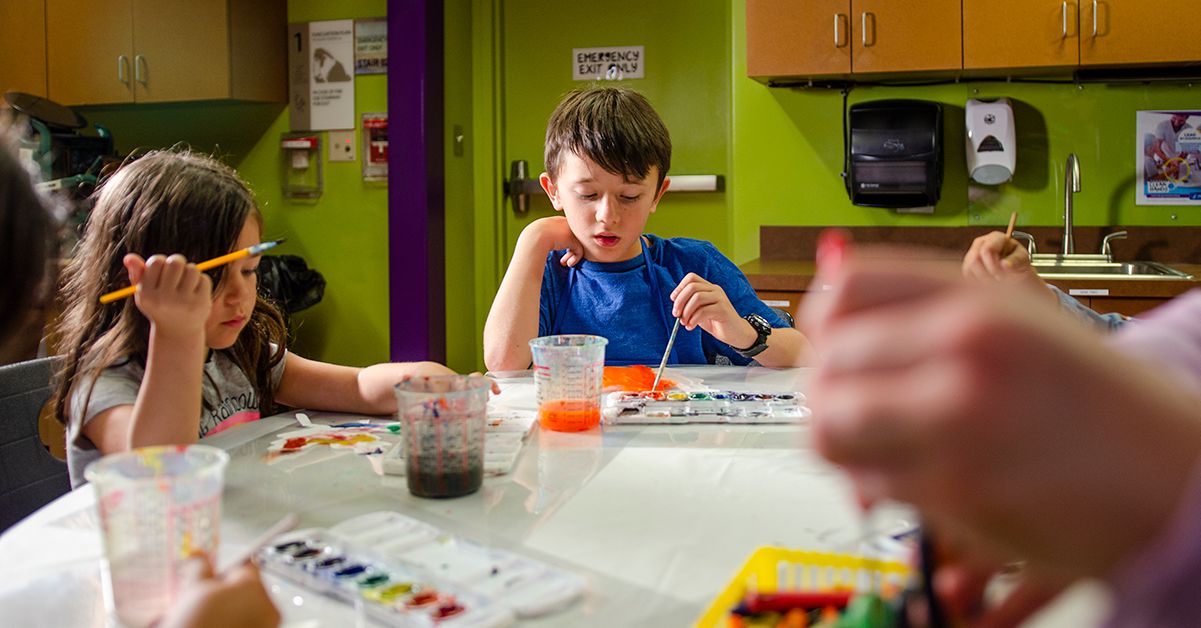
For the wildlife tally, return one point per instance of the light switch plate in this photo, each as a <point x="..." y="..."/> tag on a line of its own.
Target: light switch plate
<point x="341" y="146"/>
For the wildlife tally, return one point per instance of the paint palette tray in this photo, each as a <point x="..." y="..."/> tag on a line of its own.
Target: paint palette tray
<point x="404" y="572"/>
<point x="658" y="407"/>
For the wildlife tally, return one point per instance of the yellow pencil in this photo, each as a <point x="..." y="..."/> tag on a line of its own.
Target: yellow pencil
<point x="257" y="249"/>
<point x="1013" y="221"/>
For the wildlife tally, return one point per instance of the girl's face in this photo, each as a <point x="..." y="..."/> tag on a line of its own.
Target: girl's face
<point x="234" y="299"/>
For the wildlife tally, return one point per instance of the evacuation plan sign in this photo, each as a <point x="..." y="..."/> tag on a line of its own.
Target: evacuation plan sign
<point x="607" y="64"/>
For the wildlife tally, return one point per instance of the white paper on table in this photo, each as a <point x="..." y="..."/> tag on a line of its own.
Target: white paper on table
<point x="624" y="504"/>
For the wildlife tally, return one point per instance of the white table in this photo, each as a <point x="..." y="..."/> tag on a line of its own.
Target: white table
<point x="657" y="518"/>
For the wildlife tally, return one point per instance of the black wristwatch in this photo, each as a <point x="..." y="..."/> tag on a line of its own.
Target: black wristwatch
<point x="764" y="330"/>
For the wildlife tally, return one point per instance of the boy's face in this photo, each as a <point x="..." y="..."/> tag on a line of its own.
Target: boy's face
<point x="606" y="211"/>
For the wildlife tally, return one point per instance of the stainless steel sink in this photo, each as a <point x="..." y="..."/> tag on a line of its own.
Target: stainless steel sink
<point x="1060" y="268"/>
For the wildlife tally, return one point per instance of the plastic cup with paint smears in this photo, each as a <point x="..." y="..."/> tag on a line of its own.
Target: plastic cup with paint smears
<point x="158" y="506"/>
<point x="443" y="419"/>
<point x="568" y="378"/>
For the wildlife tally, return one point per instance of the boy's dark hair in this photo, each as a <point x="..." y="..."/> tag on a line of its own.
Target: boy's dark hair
<point x="613" y="126"/>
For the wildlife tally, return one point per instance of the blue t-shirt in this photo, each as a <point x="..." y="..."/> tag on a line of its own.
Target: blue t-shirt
<point x="630" y="302"/>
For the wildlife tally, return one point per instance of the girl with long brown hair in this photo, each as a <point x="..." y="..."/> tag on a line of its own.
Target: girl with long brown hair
<point x="193" y="352"/>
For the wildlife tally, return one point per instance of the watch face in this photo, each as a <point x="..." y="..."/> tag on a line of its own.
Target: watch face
<point x="759" y="323"/>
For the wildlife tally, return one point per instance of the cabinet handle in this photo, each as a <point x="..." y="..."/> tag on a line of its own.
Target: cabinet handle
<point x="1064" y="14"/>
<point x="863" y="28"/>
<point x="1094" y="19"/>
<point x="839" y="42"/>
<point x="139" y="69"/>
<point x="122" y="68"/>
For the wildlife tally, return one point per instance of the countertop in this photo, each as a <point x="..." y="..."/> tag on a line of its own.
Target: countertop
<point x="792" y="275"/>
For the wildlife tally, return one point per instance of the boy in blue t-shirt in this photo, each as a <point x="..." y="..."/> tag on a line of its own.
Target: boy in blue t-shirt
<point x="593" y="271"/>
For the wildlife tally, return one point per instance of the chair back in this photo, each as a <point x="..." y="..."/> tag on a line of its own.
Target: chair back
<point x="29" y="476"/>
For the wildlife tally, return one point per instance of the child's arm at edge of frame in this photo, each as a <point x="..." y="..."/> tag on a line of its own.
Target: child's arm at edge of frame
<point x="513" y="319"/>
<point x="786" y="347"/>
<point x="322" y="386"/>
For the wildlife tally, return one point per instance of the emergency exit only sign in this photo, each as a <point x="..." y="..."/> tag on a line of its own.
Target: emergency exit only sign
<point x="611" y="63"/>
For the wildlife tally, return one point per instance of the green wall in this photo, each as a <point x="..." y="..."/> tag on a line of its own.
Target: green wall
<point x="788" y="154"/>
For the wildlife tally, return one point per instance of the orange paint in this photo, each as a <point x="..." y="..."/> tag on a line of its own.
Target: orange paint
<point x="569" y="415"/>
<point x="635" y="378"/>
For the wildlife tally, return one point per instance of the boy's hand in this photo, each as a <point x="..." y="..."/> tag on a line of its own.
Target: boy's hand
<point x="553" y="233"/>
<point x="171" y="293"/>
<point x="698" y="302"/>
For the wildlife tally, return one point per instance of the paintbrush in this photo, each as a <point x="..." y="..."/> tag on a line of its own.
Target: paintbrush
<point x="283" y="525"/>
<point x="1013" y="220"/>
<point x="257" y="249"/>
<point x="671" y="341"/>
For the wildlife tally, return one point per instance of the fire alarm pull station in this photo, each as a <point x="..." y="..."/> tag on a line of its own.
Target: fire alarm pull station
<point x="301" y="164"/>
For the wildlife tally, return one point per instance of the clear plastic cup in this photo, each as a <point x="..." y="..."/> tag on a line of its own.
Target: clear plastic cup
<point x="158" y="506"/>
<point x="443" y="419"/>
<point x="568" y="377"/>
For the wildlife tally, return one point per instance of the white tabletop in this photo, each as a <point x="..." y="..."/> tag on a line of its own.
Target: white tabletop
<point x="656" y="518"/>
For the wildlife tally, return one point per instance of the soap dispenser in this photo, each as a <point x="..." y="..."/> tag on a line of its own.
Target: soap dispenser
<point x="991" y="141"/>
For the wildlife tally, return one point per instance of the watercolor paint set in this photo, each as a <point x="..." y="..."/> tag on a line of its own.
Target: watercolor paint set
<point x="404" y="572"/>
<point x="659" y="407"/>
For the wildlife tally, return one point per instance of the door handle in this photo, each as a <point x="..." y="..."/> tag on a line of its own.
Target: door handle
<point x="519" y="187"/>
<point x="1095" y="7"/>
<point x="1064" y="14"/>
<point x="839" y="41"/>
<point x="139" y="69"/>
<point x="122" y="68"/>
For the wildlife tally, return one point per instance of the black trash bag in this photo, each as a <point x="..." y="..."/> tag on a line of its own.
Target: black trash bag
<point x="288" y="280"/>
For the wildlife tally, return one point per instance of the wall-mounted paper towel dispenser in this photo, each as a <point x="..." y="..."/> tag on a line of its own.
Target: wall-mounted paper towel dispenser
<point x="894" y="153"/>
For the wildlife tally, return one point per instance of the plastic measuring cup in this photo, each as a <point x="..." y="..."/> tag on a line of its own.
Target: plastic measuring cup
<point x="568" y="377"/>
<point x="158" y="506"/>
<point x="443" y="419"/>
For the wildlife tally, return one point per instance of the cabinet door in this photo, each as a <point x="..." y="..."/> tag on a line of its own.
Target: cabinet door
<point x="89" y="52"/>
<point x="798" y="37"/>
<point x="1020" y="33"/>
<point x="1129" y="31"/>
<point x="181" y="49"/>
<point x="892" y="36"/>
<point x="23" y="37"/>
<point x="787" y="301"/>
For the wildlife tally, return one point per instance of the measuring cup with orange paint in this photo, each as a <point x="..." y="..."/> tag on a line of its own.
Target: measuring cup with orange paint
<point x="568" y="376"/>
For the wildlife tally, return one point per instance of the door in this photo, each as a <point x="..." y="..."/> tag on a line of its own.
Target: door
<point x="687" y="80"/>
<point x="891" y="36"/>
<point x="181" y="49"/>
<point x="1020" y="33"/>
<point x="790" y="38"/>
<point x="1126" y="31"/>
<point x="89" y="52"/>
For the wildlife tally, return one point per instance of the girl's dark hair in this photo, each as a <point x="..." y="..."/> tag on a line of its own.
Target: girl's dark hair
<point x="615" y="127"/>
<point x="164" y="202"/>
<point x="25" y="231"/>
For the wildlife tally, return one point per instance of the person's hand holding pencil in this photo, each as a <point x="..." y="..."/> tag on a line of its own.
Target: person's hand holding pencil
<point x="136" y="267"/>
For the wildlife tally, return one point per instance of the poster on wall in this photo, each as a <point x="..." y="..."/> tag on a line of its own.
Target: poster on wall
<point x="1169" y="158"/>
<point x="613" y="63"/>
<point x="371" y="46"/>
<point x="320" y="83"/>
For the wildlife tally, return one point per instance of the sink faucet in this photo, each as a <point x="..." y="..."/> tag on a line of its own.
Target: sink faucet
<point x="1071" y="185"/>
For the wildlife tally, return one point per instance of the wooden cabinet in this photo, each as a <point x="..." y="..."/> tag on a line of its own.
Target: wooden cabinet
<point x="786" y="300"/>
<point x="891" y="36"/>
<point x="1117" y="32"/>
<point x="23" y="46"/>
<point x="790" y="38"/>
<point x="1020" y="34"/>
<point x="839" y="37"/>
<point x="149" y="51"/>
